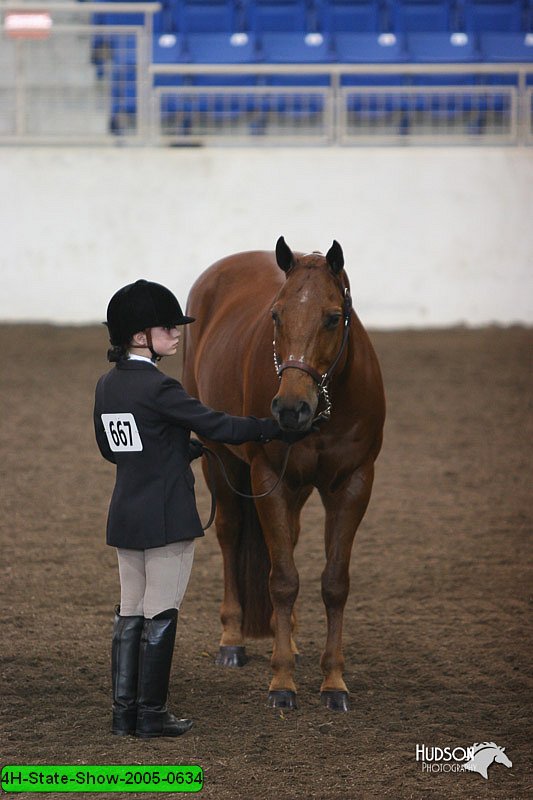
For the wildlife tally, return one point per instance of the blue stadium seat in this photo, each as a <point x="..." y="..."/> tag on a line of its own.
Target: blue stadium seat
<point x="167" y="48"/>
<point x="440" y="106"/>
<point x="513" y="47"/>
<point x="220" y="48"/>
<point x="442" y="48"/>
<point x="410" y="16"/>
<point x="204" y="16"/>
<point x="372" y="49"/>
<point x="296" y="48"/>
<point x="479" y="16"/>
<point x="344" y="16"/>
<point x="179" y="110"/>
<point x="170" y="49"/>
<point x="367" y="48"/>
<point x="361" y="48"/>
<point x="283" y="16"/>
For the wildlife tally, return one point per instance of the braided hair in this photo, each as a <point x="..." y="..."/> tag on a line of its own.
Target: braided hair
<point x="117" y="353"/>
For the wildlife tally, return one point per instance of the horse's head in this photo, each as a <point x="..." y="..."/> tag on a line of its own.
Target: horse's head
<point x="309" y="313"/>
<point x="502" y="758"/>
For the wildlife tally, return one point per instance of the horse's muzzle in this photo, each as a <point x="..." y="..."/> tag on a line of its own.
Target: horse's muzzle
<point x="292" y="416"/>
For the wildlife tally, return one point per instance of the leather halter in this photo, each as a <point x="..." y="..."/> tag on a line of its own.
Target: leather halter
<point x="321" y="379"/>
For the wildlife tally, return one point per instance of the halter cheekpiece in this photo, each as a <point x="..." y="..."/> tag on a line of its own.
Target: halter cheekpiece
<point x="321" y="380"/>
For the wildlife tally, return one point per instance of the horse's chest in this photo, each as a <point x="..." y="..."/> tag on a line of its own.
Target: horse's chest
<point x="302" y="471"/>
<point x="318" y="469"/>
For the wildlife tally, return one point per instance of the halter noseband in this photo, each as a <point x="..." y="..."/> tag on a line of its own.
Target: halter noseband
<point x="321" y="380"/>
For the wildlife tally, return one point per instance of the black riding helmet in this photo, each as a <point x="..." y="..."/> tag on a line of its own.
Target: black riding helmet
<point x="140" y="306"/>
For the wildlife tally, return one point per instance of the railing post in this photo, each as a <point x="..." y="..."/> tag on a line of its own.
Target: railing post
<point x="335" y="106"/>
<point x="522" y="109"/>
<point x="20" y="89"/>
<point x="144" y="46"/>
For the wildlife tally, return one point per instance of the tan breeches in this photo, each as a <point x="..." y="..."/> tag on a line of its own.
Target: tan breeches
<point x="154" y="580"/>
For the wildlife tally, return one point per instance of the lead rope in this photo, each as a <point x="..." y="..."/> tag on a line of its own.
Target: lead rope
<point x="212" y="487"/>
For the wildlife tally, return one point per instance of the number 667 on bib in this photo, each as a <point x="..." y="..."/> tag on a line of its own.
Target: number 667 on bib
<point x="122" y="433"/>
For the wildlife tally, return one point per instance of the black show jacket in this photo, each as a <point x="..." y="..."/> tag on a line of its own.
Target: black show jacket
<point x="145" y="430"/>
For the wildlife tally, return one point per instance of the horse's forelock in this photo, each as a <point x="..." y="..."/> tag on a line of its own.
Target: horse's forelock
<point x="314" y="260"/>
<point x="307" y="265"/>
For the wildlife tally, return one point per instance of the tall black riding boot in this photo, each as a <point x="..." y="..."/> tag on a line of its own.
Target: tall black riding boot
<point x="155" y="659"/>
<point x="125" y="672"/>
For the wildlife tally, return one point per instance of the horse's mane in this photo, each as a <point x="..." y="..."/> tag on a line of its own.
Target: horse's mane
<point x="484" y="746"/>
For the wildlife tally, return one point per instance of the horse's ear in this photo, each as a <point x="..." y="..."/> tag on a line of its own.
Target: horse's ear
<point x="284" y="255"/>
<point x="335" y="257"/>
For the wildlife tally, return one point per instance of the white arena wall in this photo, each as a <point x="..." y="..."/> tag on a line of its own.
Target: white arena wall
<point x="431" y="236"/>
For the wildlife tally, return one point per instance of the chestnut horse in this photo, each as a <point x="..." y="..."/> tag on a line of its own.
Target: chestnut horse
<point x="323" y="367"/>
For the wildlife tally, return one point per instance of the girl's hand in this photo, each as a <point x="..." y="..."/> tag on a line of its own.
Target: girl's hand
<point x="196" y="449"/>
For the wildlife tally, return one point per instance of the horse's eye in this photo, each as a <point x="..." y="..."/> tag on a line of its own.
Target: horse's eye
<point x="275" y="316"/>
<point x="332" y="320"/>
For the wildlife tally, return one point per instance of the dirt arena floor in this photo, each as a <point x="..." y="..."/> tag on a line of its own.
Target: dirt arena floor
<point x="437" y="634"/>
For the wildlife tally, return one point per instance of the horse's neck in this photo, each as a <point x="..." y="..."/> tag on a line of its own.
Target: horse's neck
<point x="348" y="373"/>
<point x="484" y="758"/>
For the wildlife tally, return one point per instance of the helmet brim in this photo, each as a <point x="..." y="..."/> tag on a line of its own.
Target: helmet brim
<point x="174" y="321"/>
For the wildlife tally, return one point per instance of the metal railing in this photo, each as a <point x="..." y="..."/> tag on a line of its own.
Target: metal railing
<point x="528" y="115"/>
<point x="239" y="115"/>
<point x="62" y="84"/>
<point x="83" y="82"/>
<point x="356" y="106"/>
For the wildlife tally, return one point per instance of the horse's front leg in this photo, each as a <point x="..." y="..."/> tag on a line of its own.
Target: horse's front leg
<point x="279" y="521"/>
<point x="345" y="509"/>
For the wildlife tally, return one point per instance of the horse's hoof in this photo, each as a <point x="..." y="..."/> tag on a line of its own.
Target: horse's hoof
<point x="297" y="659"/>
<point x="231" y="656"/>
<point x="335" y="700"/>
<point x="282" y="698"/>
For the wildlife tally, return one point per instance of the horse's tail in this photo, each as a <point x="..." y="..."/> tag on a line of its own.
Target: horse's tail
<point x="253" y="570"/>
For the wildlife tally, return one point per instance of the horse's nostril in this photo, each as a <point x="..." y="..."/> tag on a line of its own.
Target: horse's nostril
<point x="303" y="410"/>
<point x="292" y="417"/>
<point x="288" y="418"/>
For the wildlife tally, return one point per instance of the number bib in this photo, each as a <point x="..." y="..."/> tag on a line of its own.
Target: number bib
<point x="122" y="433"/>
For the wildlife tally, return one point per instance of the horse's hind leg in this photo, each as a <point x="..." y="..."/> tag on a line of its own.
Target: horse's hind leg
<point x="345" y="509"/>
<point x="228" y="522"/>
<point x="294" y="647"/>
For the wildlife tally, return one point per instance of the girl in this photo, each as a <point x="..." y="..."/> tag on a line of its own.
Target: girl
<point x="143" y="420"/>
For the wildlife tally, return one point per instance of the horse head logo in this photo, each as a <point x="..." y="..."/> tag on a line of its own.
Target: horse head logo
<point x="483" y="755"/>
